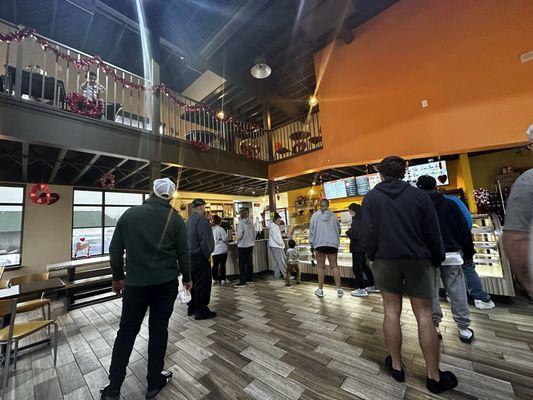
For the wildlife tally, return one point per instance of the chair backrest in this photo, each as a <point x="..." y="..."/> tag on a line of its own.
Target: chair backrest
<point x="18" y="280"/>
<point x="8" y="307"/>
<point x="4" y="283"/>
<point x="2" y="269"/>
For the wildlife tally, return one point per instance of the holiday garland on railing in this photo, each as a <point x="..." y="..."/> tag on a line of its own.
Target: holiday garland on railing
<point x="84" y="63"/>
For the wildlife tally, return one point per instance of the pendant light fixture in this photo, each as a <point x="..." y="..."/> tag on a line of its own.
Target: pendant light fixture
<point x="261" y="69"/>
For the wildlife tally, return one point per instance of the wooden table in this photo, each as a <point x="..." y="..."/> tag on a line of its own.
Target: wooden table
<point x="70" y="266"/>
<point x="28" y="289"/>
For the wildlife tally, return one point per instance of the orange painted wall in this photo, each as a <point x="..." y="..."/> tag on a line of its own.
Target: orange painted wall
<point x="460" y="55"/>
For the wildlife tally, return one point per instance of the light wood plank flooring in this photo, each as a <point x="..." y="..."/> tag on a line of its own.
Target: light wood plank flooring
<point x="273" y="342"/>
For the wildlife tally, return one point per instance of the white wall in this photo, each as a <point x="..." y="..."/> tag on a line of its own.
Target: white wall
<point x="47" y="231"/>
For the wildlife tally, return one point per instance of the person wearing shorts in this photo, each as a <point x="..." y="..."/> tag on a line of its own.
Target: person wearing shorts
<point x="401" y="235"/>
<point x="324" y="237"/>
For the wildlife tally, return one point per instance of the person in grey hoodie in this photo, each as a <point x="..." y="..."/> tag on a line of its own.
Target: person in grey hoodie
<point x="245" y="245"/>
<point x="277" y="246"/>
<point x="324" y="237"/>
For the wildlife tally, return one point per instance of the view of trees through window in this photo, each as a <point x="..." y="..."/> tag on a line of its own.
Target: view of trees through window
<point x="95" y="215"/>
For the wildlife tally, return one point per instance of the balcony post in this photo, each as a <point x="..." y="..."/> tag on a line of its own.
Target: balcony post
<point x="156" y="98"/>
<point x="267" y="126"/>
<point x="271" y="197"/>
<point x="18" y="72"/>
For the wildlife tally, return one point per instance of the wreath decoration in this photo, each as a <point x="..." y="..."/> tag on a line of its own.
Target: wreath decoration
<point x="79" y="104"/>
<point x="299" y="147"/>
<point x="40" y="194"/>
<point x="108" y="181"/>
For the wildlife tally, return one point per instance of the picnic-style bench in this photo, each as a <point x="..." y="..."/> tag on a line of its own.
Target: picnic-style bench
<point x="91" y="284"/>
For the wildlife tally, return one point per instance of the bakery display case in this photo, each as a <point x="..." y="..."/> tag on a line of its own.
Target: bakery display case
<point x="306" y="259"/>
<point x="491" y="263"/>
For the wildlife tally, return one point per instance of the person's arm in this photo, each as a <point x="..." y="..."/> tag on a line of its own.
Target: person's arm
<point x="240" y="231"/>
<point x="312" y="231"/>
<point x="431" y="233"/>
<point x="207" y="243"/>
<point x="516" y="235"/>
<point x="182" y="251"/>
<point x="466" y="234"/>
<point x="116" y="256"/>
<point x="369" y="237"/>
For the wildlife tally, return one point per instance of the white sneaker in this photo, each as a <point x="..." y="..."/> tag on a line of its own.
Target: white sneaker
<point x="214" y="282"/>
<point x="466" y="335"/>
<point x="359" y="293"/>
<point x="340" y="292"/>
<point x="484" y="305"/>
<point x="372" y="289"/>
<point x="319" y="293"/>
<point x="223" y="282"/>
<point x="240" y="285"/>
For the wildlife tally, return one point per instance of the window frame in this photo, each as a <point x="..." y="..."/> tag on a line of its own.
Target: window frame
<point x="23" y="205"/>
<point x="102" y="207"/>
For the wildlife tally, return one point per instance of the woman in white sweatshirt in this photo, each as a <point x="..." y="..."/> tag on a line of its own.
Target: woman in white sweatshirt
<point x="220" y="254"/>
<point x="245" y="245"/>
<point x="277" y="246"/>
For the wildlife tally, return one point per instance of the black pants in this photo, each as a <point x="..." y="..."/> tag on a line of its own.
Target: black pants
<point x="201" y="285"/>
<point x="160" y="298"/>
<point x="360" y="269"/>
<point x="246" y="267"/>
<point x="219" y="267"/>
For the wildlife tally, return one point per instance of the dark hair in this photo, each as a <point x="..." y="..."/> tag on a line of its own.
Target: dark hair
<point x="91" y="73"/>
<point x="216" y="220"/>
<point x="392" y="167"/>
<point x="426" y="182"/>
<point x="292" y="244"/>
<point x="324" y="201"/>
<point x="354" y="207"/>
<point x="276" y="216"/>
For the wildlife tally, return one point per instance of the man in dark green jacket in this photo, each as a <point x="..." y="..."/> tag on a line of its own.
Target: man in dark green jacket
<point x="155" y="240"/>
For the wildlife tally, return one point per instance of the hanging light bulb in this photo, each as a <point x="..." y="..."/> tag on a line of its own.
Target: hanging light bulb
<point x="221" y="114"/>
<point x="313" y="101"/>
<point x="261" y="69"/>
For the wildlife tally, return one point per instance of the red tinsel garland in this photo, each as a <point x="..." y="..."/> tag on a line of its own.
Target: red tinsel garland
<point x="84" y="63"/>
<point x="79" y="104"/>
<point x="40" y="194"/>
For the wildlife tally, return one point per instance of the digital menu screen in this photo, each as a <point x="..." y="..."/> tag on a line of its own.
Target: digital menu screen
<point x="373" y="180"/>
<point x="435" y="169"/>
<point x="340" y="188"/>
<point x="362" y="185"/>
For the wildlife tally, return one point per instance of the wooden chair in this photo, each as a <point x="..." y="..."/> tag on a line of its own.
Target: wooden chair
<point x="13" y="333"/>
<point x="2" y="269"/>
<point x="32" y="305"/>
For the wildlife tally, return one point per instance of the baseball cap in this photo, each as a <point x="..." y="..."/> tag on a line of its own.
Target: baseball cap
<point x="426" y="182"/>
<point x="198" y="203"/>
<point x="164" y="188"/>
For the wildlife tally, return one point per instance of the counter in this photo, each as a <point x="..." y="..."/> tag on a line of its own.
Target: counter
<point x="260" y="257"/>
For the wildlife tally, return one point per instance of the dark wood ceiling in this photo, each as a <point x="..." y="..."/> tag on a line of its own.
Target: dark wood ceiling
<point x="224" y="36"/>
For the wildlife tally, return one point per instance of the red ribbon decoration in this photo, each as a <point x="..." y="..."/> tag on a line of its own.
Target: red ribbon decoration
<point x="40" y="194"/>
<point x="79" y="104"/>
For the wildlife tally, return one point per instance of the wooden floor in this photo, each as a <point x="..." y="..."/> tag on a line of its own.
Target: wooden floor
<point x="273" y="342"/>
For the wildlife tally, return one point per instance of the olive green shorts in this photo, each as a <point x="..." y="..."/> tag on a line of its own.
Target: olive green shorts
<point x="414" y="278"/>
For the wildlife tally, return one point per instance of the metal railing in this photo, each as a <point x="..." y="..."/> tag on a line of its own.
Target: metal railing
<point x="297" y="137"/>
<point x="42" y="70"/>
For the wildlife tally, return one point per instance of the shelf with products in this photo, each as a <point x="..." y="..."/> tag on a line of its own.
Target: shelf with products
<point x="306" y="259"/>
<point x="491" y="263"/>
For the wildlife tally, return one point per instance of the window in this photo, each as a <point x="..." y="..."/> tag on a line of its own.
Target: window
<point x="11" y="213"/>
<point x="94" y="217"/>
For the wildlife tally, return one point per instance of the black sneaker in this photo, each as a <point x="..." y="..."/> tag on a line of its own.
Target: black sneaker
<point x="397" y="375"/>
<point x="108" y="393"/>
<point x="190" y="313"/>
<point x="166" y="378"/>
<point x="208" y="315"/>
<point x="447" y="381"/>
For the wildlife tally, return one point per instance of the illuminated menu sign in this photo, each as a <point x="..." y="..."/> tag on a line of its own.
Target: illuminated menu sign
<point x="435" y="169"/>
<point x="340" y="188"/>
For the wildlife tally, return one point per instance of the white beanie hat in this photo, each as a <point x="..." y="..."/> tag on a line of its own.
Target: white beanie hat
<point x="164" y="188"/>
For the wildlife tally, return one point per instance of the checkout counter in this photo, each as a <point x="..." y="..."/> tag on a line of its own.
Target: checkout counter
<point x="260" y="257"/>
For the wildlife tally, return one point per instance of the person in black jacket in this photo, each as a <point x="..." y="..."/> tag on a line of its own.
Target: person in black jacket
<point x="401" y="235"/>
<point x="459" y="249"/>
<point x="201" y="246"/>
<point x="359" y="261"/>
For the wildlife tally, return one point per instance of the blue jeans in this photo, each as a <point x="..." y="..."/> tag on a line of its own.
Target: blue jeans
<point x="473" y="283"/>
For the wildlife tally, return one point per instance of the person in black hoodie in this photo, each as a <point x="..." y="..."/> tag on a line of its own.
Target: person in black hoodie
<point x="359" y="261"/>
<point x="459" y="248"/>
<point x="401" y="235"/>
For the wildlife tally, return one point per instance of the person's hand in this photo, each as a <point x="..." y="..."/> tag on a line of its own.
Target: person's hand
<point x="188" y="285"/>
<point x="118" y="286"/>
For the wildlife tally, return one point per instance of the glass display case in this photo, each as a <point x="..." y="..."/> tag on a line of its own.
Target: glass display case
<point x="491" y="263"/>
<point x="307" y="261"/>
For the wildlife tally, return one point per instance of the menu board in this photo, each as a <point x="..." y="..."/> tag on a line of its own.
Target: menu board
<point x="362" y="184"/>
<point x="373" y="180"/>
<point x="340" y="188"/>
<point x="435" y="169"/>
